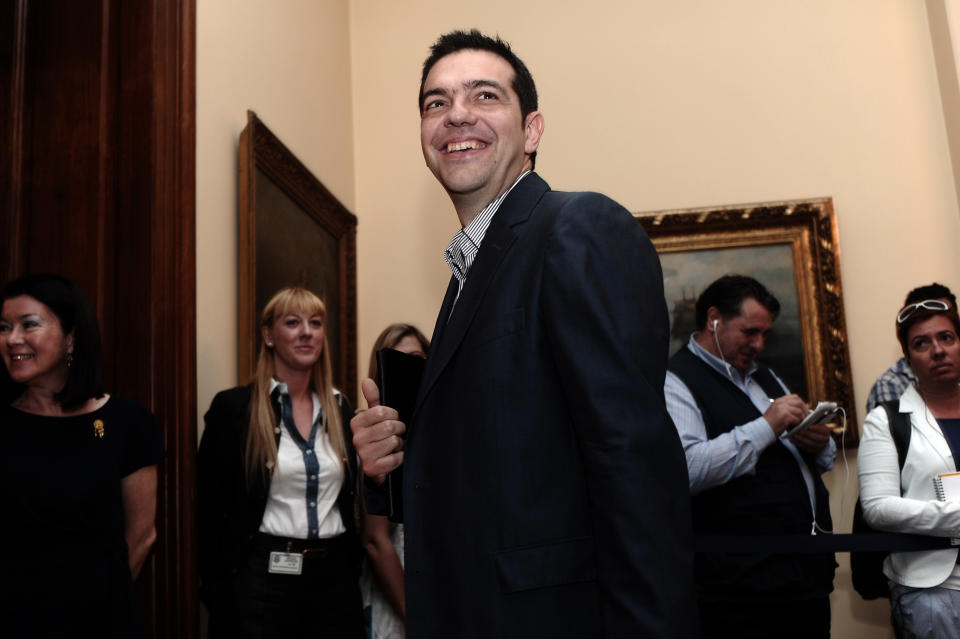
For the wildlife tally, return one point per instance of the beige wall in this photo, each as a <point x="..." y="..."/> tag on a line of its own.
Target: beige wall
<point x="658" y="104"/>
<point x="688" y="103"/>
<point x="944" y="20"/>
<point x="289" y="62"/>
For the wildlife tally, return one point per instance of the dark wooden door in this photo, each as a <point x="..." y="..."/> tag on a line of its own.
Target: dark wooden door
<point x="97" y="112"/>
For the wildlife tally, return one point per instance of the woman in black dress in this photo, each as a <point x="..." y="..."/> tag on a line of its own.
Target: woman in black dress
<point x="279" y="554"/>
<point x="78" y="474"/>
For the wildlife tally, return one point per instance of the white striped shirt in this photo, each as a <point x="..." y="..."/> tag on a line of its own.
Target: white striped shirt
<point x="463" y="248"/>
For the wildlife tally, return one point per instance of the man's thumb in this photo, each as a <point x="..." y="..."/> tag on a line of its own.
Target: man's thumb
<point x="370" y="392"/>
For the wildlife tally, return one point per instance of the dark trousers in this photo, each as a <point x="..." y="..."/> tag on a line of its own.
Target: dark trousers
<point x="322" y="601"/>
<point x="804" y="619"/>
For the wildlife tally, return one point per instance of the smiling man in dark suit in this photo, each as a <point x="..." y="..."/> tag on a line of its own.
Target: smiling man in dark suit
<point x="544" y="485"/>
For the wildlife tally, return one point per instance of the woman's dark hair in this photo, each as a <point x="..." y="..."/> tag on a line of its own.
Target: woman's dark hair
<point x="390" y="337"/>
<point x="75" y="313"/>
<point x="727" y="295"/>
<point x="933" y="291"/>
<point x="919" y="315"/>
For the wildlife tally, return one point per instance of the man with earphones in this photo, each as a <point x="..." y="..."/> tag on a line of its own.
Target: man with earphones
<point x="746" y="477"/>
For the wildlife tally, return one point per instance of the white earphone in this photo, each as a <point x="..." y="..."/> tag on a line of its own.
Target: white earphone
<point x="716" y="340"/>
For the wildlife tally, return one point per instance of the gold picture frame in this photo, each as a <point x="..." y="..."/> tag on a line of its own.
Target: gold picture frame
<point x="790" y="246"/>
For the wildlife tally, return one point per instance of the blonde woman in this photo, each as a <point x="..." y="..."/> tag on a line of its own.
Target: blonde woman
<point x="382" y="581"/>
<point x="279" y="553"/>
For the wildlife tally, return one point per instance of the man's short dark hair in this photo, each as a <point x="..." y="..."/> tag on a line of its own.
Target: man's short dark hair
<point x="455" y="41"/>
<point x="727" y="295"/>
<point x="76" y="316"/>
<point x="931" y="292"/>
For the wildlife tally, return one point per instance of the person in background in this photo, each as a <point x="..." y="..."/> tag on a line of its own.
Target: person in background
<point x="383" y="540"/>
<point x="279" y="551"/>
<point x="78" y="472"/>
<point x="746" y="477"/>
<point x="893" y="381"/>
<point x="925" y="585"/>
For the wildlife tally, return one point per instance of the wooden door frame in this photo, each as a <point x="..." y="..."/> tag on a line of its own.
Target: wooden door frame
<point x="173" y="333"/>
<point x="140" y="232"/>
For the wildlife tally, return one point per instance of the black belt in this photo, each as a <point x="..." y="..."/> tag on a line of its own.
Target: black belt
<point x="860" y="542"/>
<point x="265" y="544"/>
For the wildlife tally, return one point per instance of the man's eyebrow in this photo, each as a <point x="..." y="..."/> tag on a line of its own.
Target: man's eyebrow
<point x="468" y="86"/>
<point x="434" y="92"/>
<point x="475" y="84"/>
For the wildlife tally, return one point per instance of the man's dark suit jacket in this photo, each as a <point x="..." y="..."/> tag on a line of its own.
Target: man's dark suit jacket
<point x="231" y="508"/>
<point x="545" y="488"/>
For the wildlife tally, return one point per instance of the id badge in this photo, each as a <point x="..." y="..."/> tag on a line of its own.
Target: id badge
<point x="285" y="563"/>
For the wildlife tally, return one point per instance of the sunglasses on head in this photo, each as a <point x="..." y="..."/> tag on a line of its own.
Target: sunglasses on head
<point x="930" y="305"/>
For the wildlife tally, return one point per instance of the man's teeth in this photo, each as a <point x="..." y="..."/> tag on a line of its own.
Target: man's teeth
<point x="463" y="146"/>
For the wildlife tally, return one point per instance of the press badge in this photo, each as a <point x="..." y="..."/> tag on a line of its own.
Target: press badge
<point x="285" y="563"/>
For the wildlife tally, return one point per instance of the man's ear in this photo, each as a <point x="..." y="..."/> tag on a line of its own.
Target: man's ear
<point x="713" y="318"/>
<point x="532" y="131"/>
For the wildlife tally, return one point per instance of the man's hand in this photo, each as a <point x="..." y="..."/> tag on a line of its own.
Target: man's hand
<point x="376" y="435"/>
<point x="785" y="411"/>
<point x="811" y="439"/>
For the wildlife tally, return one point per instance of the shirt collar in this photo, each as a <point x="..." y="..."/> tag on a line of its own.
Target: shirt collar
<point x="465" y="245"/>
<point x="282" y="389"/>
<point x="718" y="364"/>
<point x="903" y="367"/>
<point x="274" y="385"/>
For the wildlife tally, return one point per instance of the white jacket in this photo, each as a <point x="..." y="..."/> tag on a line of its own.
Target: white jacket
<point x="896" y="501"/>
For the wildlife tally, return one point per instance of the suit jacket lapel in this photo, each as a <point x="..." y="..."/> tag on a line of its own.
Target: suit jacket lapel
<point x="515" y="209"/>
<point x="448" y="299"/>
<point x="438" y="331"/>
<point x="924" y="422"/>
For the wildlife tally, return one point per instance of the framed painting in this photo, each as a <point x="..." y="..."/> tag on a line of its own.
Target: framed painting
<point x="293" y="232"/>
<point x="792" y="248"/>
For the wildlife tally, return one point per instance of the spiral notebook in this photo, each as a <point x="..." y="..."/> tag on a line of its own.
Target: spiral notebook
<point x="947" y="486"/>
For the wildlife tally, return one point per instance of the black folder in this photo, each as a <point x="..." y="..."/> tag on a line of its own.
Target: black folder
<point x="399" y="380"/>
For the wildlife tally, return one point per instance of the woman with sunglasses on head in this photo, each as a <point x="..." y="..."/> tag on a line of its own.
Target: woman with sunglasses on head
<point x="78" y="472"/>
<point x="924" y="586"/>
<point x="279" y="553"/>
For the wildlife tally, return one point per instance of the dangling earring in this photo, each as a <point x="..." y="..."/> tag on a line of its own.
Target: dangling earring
<point x="69" y="359"/>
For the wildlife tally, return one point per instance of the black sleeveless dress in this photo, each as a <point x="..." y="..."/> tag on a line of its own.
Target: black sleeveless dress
<point x="65" y="571"/>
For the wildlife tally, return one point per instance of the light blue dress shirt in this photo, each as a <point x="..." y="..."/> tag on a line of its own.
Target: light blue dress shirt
<point x="713" y="462"/>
